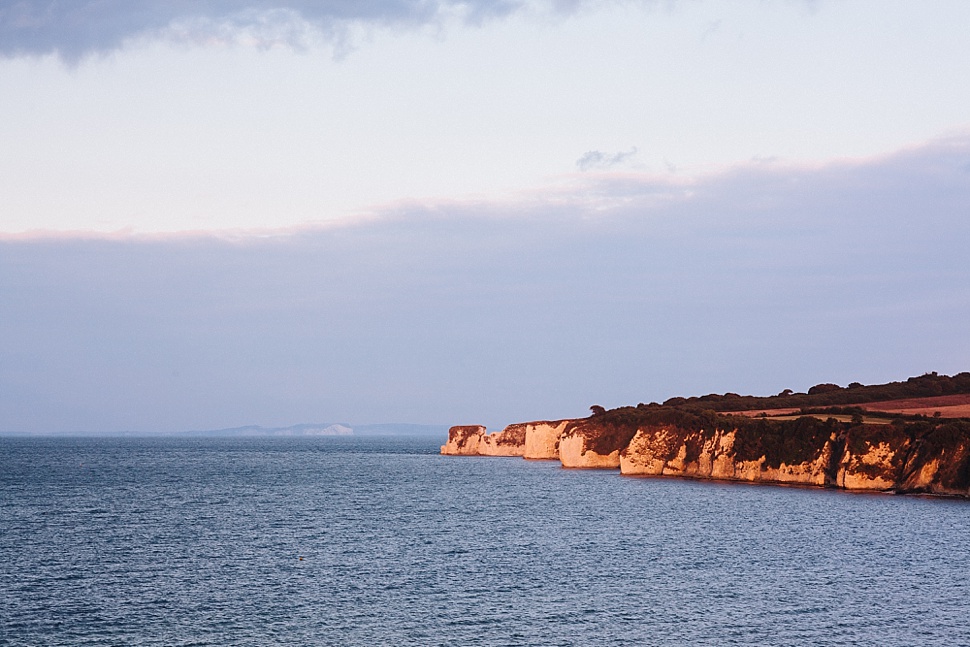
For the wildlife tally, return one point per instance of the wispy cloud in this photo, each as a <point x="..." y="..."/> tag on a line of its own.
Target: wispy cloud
<point x="591" y="160"/>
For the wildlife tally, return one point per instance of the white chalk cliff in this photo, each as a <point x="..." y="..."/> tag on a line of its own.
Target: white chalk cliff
<point x="920" y="458"/>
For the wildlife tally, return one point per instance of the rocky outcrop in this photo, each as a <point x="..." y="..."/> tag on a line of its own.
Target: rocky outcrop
<point x="873" y="458"/>
<point x="508" y="442"/>
<point x="589" y="443"/>
<point x="464" y="440"/>
<point x="574" y="453"/>
<point x="938" y="461"/>
<point x="542" y="439"/>
<point x="921" y="456"/>
<point x="712" y="453"/>
<point x="534" y="440"/>
<point x="676" y="452"/>
<point x="472" y="440"/>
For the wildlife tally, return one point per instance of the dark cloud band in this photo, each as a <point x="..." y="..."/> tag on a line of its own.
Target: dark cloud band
<point x="763" y="276"/>
<point x="75" y="28"/>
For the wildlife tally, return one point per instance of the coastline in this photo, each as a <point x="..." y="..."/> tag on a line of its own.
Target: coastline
<point x="929" y="457"/>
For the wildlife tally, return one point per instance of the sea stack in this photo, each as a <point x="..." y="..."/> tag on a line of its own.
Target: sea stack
<point x="533" y="440"/>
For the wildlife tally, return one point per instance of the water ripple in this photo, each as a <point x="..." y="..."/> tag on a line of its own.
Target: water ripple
<point x="362" y="542"/>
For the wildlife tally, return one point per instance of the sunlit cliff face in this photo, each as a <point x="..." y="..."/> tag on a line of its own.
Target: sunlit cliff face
<point x="921" y="457"/>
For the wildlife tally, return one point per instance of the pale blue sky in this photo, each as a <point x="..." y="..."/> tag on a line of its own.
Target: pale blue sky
<point x="462" y="212"/>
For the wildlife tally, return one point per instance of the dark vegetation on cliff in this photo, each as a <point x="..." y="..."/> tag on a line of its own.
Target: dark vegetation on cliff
<point x="785" y="441"/>
<point x="462" y="433"/>
<point x="822" y="395"/>
<point x="917" y="440"/>
<point x="823" y="437"/>
<point x="609" y="431"/>
<point x="933" y="441"/>
<point x="513" y="435"/>
<point x="779" y="441"/>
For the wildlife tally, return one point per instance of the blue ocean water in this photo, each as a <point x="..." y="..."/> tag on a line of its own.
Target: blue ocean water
<point x="379" y="541"/>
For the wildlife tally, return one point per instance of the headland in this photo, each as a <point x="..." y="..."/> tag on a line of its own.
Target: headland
<point x="909" y="437"/>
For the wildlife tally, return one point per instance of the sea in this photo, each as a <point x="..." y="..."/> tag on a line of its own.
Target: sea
<point x="382" y="541"/>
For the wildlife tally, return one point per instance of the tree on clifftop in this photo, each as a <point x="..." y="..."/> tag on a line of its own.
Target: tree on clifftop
<point x="824" y="388"/>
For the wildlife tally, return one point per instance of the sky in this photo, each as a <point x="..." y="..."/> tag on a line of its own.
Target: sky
<point x="237" y="212"/>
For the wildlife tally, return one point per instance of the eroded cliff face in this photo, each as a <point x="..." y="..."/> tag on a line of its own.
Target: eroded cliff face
<point x="590" y="444"/>
<point x="534" y="440"/>
<point x="938" y="461"/>
<point x="669" y="451"/>
<point x="464" y="440"/>
<point x="924" y="457"/>
<point x="873" y="458"/>
<point x="928" y="457"/>
<point x="508" y="442"/>
<point x="542" y="439"/>
<point x="573" y="452"/>
<point x="672" y="451"/>
<point x="473" y="440"/>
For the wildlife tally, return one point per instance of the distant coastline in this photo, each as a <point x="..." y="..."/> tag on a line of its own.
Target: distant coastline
<point x="306" y="430"/>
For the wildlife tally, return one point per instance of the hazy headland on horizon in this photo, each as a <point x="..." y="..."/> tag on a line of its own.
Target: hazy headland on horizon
<point x="250" y="431"/>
